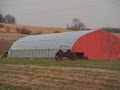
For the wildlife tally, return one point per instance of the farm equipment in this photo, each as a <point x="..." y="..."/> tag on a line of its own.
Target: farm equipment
<point x="70" y="55"/>
<point x="4" y="55"/>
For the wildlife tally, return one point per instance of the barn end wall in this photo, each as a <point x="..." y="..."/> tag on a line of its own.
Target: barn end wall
<point x="98" y="45"/>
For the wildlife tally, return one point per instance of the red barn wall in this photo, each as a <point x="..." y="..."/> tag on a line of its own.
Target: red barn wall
<point x="98" y="45"/>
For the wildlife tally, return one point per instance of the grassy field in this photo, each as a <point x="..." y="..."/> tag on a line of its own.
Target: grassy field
<point x="48" y="74"/>
<point x="103" y="64"/>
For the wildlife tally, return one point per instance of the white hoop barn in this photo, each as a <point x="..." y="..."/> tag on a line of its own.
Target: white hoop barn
<point x="97" y="44"/>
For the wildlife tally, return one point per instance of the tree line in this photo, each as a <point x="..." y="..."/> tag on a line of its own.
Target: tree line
<point x="111" y="30"/>
<point x="7" y="19"/>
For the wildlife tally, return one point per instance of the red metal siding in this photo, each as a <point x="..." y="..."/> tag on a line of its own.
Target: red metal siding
<point x="98" y="45"/>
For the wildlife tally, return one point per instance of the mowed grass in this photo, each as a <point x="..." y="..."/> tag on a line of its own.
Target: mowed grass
<point x="49" y="74"/>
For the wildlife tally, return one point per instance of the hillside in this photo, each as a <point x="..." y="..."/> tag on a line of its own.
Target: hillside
<point x="11" y="36"/>
<point x="8" y="34"/>
<point x="34" y="30"/>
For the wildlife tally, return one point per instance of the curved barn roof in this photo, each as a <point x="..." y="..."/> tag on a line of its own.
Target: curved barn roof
<point x="48" y="41"/>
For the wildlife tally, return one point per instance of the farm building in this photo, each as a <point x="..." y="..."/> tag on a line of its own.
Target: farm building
<point x="96" y="44"/>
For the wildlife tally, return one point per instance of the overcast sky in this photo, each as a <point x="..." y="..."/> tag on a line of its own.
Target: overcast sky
<point x="58" y="13"/>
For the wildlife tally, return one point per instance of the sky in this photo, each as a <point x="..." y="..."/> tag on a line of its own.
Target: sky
<point x="59" y="13"/>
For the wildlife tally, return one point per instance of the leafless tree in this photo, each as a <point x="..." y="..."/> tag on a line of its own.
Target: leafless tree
<point x="9" y="19"/>
<point x="76" y="25"/>
<point x="1" y="18"/>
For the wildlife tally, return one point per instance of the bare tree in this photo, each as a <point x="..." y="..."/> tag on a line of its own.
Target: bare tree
<point x="76" y="21"/>
<point x="81" y="26"/>
<point x="76" y="25"/>
<point x="1" y="18"/>
<point x="9" y="19"/>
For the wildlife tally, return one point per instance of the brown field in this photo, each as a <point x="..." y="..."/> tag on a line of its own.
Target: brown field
<point x="22" y="77"/>
<point x="5" y="45"/>
<point x="11" y="36"/>
<point x="35" y="30"/>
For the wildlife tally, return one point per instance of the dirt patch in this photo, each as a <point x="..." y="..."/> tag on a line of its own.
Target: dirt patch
<point x="59" y="78"/>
